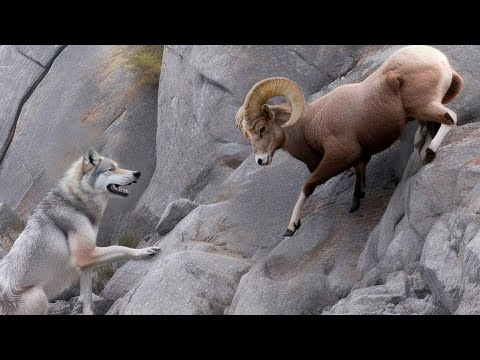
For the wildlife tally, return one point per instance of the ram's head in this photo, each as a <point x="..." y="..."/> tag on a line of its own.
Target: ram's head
<point x="258" y="121"/>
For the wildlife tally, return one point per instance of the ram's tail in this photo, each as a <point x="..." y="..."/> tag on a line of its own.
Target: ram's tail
<point x="454" y="89"/>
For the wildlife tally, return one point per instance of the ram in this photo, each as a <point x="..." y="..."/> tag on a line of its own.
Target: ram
<point x="344" y="128"/>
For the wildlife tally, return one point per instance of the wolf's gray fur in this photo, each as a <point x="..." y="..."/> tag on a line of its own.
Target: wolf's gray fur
<point x="58" y="244"/>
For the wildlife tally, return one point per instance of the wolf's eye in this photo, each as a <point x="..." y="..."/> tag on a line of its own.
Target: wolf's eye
<point x="262" y="129"/>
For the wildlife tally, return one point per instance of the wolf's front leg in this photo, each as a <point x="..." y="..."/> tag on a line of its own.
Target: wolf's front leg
<point x="103" y="255"/>
<point x="86" y="292"/>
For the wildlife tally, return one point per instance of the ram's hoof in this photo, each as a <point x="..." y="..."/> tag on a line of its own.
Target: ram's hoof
<point x="450" y="120"/>
<point x="355" y="204"/>
<point x="429" y="156"/>
<point x="288" y="233"/>
<point x="354" y="208"/>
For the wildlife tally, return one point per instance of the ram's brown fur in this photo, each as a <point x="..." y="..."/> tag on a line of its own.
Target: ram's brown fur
<point x="353" y="122"/>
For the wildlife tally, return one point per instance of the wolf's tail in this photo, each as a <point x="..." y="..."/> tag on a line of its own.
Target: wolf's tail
<point x="454" y="89"/>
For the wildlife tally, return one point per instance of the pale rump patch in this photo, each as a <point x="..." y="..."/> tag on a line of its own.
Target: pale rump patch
<point x="295" y="219"/>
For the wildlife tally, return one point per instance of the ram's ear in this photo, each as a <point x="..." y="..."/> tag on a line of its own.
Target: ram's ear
<point x="90" y="159"/>
<point x="267" y="110"/>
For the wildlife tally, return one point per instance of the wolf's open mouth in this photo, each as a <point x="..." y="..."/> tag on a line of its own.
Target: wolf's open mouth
<point x="117" y="189"/>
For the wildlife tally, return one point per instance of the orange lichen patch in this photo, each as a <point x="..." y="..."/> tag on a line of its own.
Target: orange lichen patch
<point x="114" y="60"/>
<point x="204" y="233"/>
<point x="475" y="161"/>
<point x="92" y="115"/>
<point x="223" y="249"/>
<point x="104" y="76"/>
<point x="224" y="196"/>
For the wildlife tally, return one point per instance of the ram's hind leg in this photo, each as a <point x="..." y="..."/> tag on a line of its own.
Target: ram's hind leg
<point x="436" y="112"/>
<point x="328" y="168"/>
<point x="439" y="136"/>
<point x="359" y="192"/>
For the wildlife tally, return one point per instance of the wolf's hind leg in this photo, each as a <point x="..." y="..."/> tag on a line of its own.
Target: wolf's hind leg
<point x="32" y="302"/>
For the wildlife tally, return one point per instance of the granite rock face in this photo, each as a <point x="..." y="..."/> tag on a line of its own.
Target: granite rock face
<point x="412" y="248"/>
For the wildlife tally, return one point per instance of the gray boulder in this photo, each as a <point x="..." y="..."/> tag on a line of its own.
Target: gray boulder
<point x="375" y="299"/>
<point x="186" y="282"/>
<point x="174" y="213"/>
<point x="59" y="307"/>
<point x="100" y="305"/>
<point x="396" y="297"/>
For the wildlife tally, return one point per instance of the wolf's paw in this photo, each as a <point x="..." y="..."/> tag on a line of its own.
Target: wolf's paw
<point x="87" y="311"/>
<point x="146" y="253"/>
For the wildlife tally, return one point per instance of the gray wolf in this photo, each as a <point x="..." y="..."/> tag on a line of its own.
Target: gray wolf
<point x="58" y="244"/>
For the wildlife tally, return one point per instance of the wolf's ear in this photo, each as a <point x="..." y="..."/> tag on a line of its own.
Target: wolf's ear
<point x="91" y="158"/>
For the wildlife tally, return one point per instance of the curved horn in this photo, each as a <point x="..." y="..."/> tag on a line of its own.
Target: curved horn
<point x="268" y="88"/>
<point x="239" y="119"/>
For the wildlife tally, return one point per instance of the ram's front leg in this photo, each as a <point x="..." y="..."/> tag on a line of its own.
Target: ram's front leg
<point x="328" y="168"/>
<point x="359" y="192"/>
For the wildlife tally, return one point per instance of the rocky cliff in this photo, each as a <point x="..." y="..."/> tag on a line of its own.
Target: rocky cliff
<point x="218" y="217"/>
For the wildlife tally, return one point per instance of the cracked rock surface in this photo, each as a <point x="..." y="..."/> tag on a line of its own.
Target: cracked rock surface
<point x="55" y="102"/>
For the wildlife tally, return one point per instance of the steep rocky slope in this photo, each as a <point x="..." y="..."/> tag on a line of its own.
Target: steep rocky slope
<point x="411" y="248"/>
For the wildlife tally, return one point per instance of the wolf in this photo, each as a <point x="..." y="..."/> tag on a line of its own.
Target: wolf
<point x="58" y="245"/>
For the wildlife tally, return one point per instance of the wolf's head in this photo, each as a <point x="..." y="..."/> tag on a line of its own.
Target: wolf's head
<point x="101" y="175"/>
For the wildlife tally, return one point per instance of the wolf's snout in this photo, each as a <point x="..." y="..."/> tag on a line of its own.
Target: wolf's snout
<point x="137" y="174"/>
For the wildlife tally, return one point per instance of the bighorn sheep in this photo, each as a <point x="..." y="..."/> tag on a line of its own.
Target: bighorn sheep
<point x="353" y="122"/>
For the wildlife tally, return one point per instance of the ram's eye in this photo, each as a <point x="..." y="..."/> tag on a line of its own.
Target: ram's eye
<point x="109" y="170"/>
<point x="262" y="129"/>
